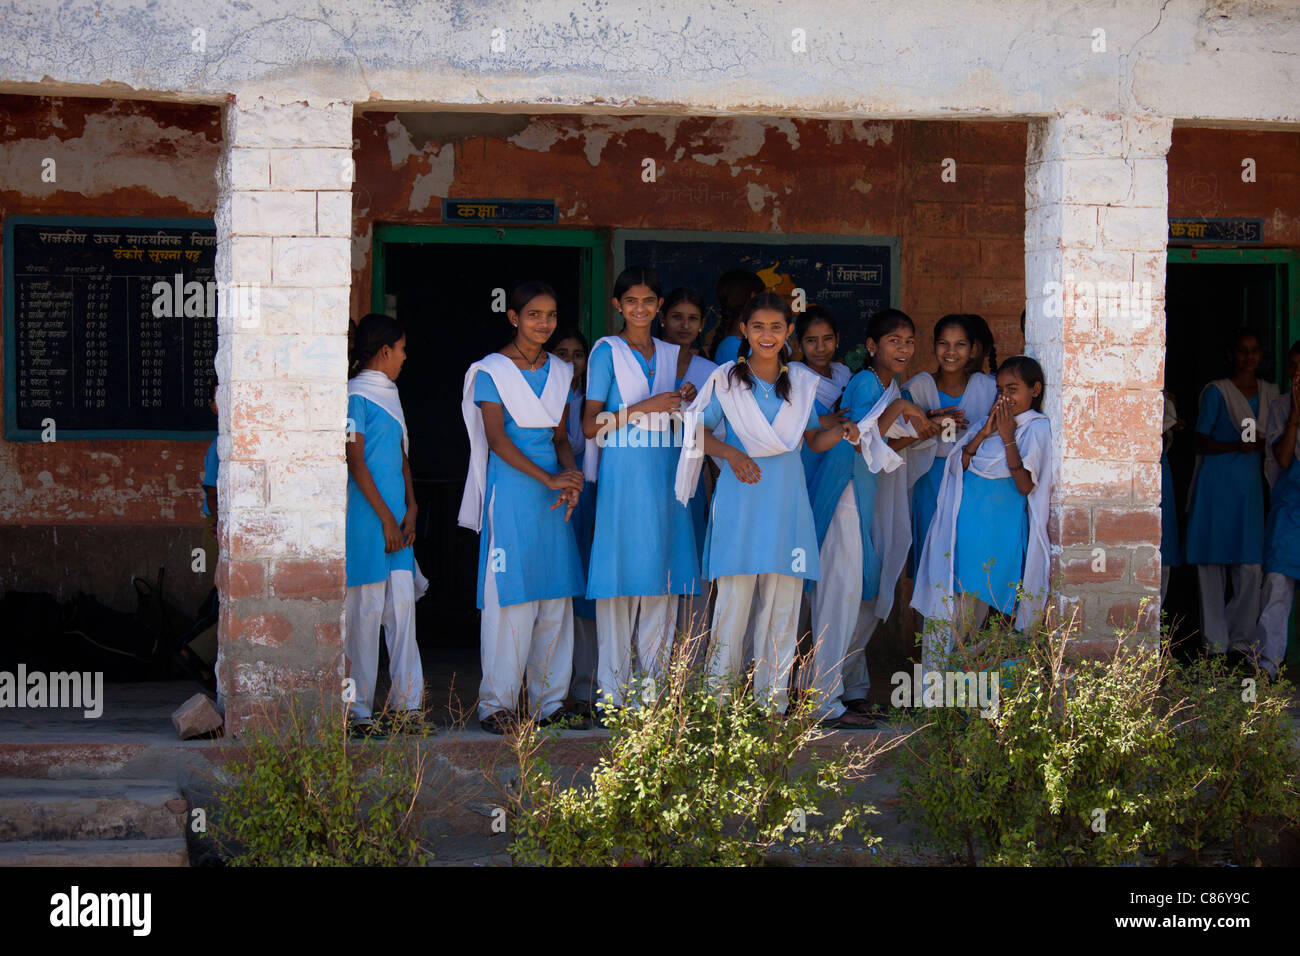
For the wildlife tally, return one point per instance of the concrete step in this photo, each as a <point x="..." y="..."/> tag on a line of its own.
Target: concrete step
<point x="89" y="810"/>
<point x="161" y="851"/>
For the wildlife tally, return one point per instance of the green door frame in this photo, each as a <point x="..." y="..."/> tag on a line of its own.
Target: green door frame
<point x="1287" y="328"/>
<point x="1286" y="331"/>
<point x="594" y="245"/>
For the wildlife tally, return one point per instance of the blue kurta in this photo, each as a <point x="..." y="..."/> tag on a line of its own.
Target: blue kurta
<point x="366" y="561"/>
<point x="992" y="536"/>
<point x="536" y="556"/>
<point x="1282" y="533"/>
<point x="727" y="351"/>
<point x="1226" y="523"/>
<point x="584" y="524"/>
<point x="211" y="462"/>
<point x="925" y="493"/>
<point x="844" y="464"/>
<point x="812" y="460"/>
<point x="643" y="542"/>
<point x="764" y="528"/>
<point x="1171" y="542"/>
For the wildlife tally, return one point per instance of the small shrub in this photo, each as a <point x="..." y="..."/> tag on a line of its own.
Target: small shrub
<point x="299" y="797"/>
<point x="688" y="778"/>
<point x="1099" y="761"/>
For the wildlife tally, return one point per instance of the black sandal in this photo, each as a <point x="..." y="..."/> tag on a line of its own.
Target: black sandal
<point x="498" y="723"/>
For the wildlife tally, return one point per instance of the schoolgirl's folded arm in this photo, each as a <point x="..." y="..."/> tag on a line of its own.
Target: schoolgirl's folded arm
<point x="494" y="426"/>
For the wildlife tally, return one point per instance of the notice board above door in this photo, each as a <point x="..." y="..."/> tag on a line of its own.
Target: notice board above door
<point x="853" y="276"/>
<point x="94" y="342"/>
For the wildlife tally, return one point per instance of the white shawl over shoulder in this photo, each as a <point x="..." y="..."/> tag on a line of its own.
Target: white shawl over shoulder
<point x="633" y="388"/>
<point x="526" y="408"/>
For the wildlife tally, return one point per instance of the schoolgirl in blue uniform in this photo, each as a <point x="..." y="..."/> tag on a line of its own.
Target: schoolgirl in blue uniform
<point x="522" y="488"/>
<point x="954" y="397"/>
<point x="761" y="543"/>
<point x="1282" y="532"/>
<point x="818" y="336"/>
<point x="989" y="532"/>
<point x="380" y="527"/>
<point x="863" y="541"/>
<point x="1225" y="524"/>
<point x="643" y="554"/>
<point x="571" y="346"/>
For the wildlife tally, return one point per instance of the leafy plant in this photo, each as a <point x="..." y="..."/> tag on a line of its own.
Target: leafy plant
<point x="302" y="796"/>
<point x="690" y="776"/>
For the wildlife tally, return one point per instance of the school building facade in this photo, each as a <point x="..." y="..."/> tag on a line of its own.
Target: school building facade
<point x="1016" y="156"/>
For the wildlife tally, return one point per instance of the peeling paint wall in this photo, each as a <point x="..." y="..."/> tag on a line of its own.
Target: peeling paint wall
<point x="962" y="242"/>
<point x="113" y="158"/>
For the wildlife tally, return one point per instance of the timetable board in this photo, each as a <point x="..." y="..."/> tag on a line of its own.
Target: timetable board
<point x="97" y="336"/>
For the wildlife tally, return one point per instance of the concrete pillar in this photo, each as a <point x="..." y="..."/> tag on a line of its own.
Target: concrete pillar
<point x="284" y="209"/>
<point x="1096" y="223"/>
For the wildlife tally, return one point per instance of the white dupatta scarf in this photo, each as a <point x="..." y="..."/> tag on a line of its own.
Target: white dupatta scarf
<point x="526" y="408"/>
<point x="891" y="525"/>
<point x="830" y="389"/>
<point x="933" y="593"/>
<point x="760" y="438"/>
<point x="1239" y="411"/>
<point x="976" y="402"/>
<point x="633" y="388"/>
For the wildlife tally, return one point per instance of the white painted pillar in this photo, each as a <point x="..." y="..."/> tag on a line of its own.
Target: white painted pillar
<point x="284" y="209"/>
<point x="1096" y="224"/>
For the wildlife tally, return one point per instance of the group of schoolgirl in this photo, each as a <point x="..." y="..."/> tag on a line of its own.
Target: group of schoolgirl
<point x="592" y="533"/>
<point x="1245" y="437"/>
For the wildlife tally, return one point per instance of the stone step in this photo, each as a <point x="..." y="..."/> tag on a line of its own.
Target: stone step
<point x="161" y="851"/>
<point x="89" y="810"/>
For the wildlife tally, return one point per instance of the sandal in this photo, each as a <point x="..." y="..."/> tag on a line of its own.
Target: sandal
<point x="498" y="723"/>
<point x="849" y="720"/>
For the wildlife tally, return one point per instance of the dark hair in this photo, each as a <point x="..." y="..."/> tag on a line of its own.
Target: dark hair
<point x="373" y="332"/>
<point x="1030" y="372"/>
<point x="984" y="336"/>
<point x="1243" y="333"/>
<point x="734" y="290"/>
<point x="815" y="313"/>
<point x="1295" y="349"/>
<point x="886" y="321"/>
<point x="525" y="292"/>
<point x="571" y="332"/>
<point x="635" y="276"/>
<point x="741" y="370"/>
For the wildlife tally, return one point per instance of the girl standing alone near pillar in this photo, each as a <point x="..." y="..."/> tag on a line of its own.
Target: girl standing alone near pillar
<point x="381" y="511"/>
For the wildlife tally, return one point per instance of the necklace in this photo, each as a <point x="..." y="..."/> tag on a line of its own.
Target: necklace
<point x="768" y="390"/>
<point x="533" y="363"/>
<point x="650" y="361"/>
<point x="885" y="382"/>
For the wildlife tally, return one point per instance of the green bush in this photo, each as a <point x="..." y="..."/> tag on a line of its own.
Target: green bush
<point x="301" y="796"/>
<point x="1098" y="761"/>
<point x="688" y="778"/>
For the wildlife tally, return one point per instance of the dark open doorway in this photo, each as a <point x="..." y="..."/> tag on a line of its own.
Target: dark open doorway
<point x="442" y="290"/>
<point x="1209" y="294"/>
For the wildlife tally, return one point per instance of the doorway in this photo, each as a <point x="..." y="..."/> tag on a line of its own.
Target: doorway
<point x="439" y="281"/>
<point x="1209" y="294"/>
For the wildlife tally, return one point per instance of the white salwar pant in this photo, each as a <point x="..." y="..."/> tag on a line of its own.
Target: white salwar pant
<point x="1234" y="624"/>
<point x="389" y="604"/>
<point x="774" y="599"/>
<point x="842" y="623"/>
<point x="1270" y="636"/>
<point x="533" y="639"/>
<point x="650" y="621"/>
<point x="584" y="660"/>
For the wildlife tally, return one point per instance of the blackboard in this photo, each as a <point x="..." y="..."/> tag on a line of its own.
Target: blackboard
<point x="97" y="338"/>
<point x="852" y="276"/>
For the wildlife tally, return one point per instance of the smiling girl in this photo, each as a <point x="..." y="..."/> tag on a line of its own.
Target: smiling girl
<point x="761" y="543"/>
<point x="863" y="541"/>
<point x="819" y="337"/>
<point x="643" y="552"/>
<point x="522" y="488"/>
<point x="954" y="397"/>
<point x="988" y="539"/>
